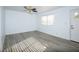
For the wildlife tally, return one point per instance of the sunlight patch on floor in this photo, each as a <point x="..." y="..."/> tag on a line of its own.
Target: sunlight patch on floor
<point x="30" y="45"/>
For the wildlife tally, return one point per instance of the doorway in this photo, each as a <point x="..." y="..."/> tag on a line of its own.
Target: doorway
<point x="74" y="25"/>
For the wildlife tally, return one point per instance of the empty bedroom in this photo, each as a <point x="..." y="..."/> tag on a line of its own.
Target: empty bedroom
<point x="39" y="28"/>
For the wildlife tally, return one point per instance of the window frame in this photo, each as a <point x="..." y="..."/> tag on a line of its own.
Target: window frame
<point x="47" y="20"/>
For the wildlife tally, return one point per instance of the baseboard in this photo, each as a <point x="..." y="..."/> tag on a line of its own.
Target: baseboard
<point x="52" y="35"/>
<point x="18" y="32"/>
<point x="74" y="41"/>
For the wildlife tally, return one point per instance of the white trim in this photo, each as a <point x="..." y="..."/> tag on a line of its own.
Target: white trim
<point x="18" y="32"/>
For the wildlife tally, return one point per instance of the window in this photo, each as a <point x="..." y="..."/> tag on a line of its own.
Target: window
<point x="76" y="15"/>
<point x="47" y="20"/>
<point x="44" y="20"/>
<point x="50" y="19"/>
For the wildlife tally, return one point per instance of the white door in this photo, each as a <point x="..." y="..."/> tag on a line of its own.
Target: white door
<point x="75" y="25"/>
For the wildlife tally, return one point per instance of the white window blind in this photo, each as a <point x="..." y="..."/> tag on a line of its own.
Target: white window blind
<point x="47" y="20"/>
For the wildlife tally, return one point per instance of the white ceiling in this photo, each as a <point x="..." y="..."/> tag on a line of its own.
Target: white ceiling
<point x="40" y="9"/>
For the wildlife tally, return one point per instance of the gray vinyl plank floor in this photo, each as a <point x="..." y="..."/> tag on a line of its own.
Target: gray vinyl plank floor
<point x="36" y="41"/>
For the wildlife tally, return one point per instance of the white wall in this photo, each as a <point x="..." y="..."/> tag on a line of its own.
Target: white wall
<point x="2" y="27"/>
<point x="17" y="21"/>
<point x="61" y="27"/>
